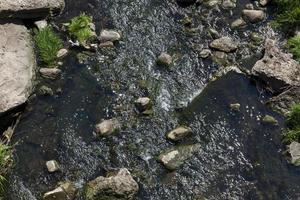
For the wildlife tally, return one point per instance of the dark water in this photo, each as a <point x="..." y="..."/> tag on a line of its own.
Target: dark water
<point x="240" y="158"/>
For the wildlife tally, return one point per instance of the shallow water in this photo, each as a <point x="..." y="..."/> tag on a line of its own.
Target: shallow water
<point x="240" y="158"/>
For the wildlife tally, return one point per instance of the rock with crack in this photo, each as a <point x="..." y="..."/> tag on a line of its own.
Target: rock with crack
<point x="277" y="69"/>
<point x="17" y="65"/>
<point x="119" y="186"/>
<point x="30" y="9"/>
<point x="225" y="44"/>
<point x="175" y="157"/>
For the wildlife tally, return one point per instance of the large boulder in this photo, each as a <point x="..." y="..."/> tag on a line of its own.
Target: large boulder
<point x="294" y="150"/>
<point x="120" y="186"/>
<point x="29" y="8"/>
<point x="173" y="158"/>
<point x="17" y="66"/>
<point x="277" y="69"/>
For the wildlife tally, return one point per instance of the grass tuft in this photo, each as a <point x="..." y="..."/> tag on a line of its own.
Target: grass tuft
<point x="293" y="124"/>
<point x="6" y="161"/>
<point x="294" y="47"/>
<point x="48" y="44"/>
<point x="79" y="28"/>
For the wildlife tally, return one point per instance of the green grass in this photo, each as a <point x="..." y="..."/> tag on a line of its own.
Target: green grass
<point x="6" y="161"/>
<point x="48" y="44"/>
<point x="79" y="28"/>
<point x="293" y="123"/>
<point x="288" y="14"/>
<point x="294" y="47"/>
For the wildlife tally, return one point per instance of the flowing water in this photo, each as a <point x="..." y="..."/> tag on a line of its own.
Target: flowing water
<point x="240" y="157"/>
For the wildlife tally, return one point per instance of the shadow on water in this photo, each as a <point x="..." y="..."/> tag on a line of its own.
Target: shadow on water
<point x="240" y="158"/>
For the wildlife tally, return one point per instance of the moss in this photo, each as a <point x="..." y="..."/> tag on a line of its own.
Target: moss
<point x="79" y="28"/>
<point x="292" y="133"/>
<point x="48" y="44"/>
<point x="294" y="46"/>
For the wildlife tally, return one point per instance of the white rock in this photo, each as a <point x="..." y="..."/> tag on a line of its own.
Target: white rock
<point x="41" y="24"/>
<point x="52" y="166"/>
<point x="62" y="53"/>
<point x="109" y="35"/>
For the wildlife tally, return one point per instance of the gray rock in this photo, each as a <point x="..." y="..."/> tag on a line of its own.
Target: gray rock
<point x="205" y="53"/>
<point x="277" y="69"/>
<point x="294" y="150"/>
<point x="164" y="59"/>
<point x="220" y="58"/>
<point x="264" y="2"/>
<point x="225" y="44"/>
<point x="235" y="106"/>
<point x="229" y="4"/>
<point x="119" y="186"/>
<point x="62" y="53"/>
<point x="30" y="8"/>
<point x="52" y="166"/>
<point x="41" y="24"/>
<point x="17" y="65"/>
<point x="268" y="119"/>
<point x="283" y="102"/>
<point x="50" y="73"/>
<point x="109" y="35"/>
<point x="108" y="127"/>
<point x="143" y="104"/>
<point x="214" y="33"/>
<point x="254" y="15"/>
<point x="238" y="23"/>
<point x="173" y="158"/>
<point x="107" y="44"/>
<point x="46" y="91"/>
<point x="178" y="133"/>
<point x="65" y="191"/>
<point x="249" y="6"/>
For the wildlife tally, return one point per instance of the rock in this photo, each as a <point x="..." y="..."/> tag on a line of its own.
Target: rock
<point x="268" y="119"/>
<point x="205" y="53"/>
<point x="277" y="69"/>
<point x="108" y="127"/>
<point x="30" y="9"/>
<point x="173" y="158"/>
<point x="178" y="133"/>
<point x="220" y="58"/>
<point x="52" y="166"/>
<point x="256" y="38"/>
<point x="18" y="64"/>
<point x="249" y="6"/>
<point x="107" y="44"/>
<point x="119" y="186"/>
<point x="254" y="15"/>
<point x="164" y="59"/>
<point x="229" y="4"/>
<point x="214" y="33"/>
<point x="65" y="191"/>
<point x="235" y="106"/>
<point x="238" y="23"/>
<point x="51" y="73"/>
<point x="294" y="150"/>
<point x="143" y="104"/>
<point x="283" y="102"/>
<point x="46" y="91"/>
<point x="41" y="24"/>
<point x="62" y="53"/>
<point x="264" y="2"/>
<point x="109" y="35"/>
<point x="225" y="44"/>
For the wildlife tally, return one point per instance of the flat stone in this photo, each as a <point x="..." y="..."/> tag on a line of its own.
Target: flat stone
<point x="178" y="133"/>
<point x="50" y="73"/>
<point x="30" y="9"/>
<point x="18" y="64"/>
<point x="225" y="44"/>
<point x="277" y="69"/>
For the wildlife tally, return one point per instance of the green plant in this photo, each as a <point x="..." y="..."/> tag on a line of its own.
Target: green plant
<point x="6" y="161"/>
<point x="288" y="14"/>
<point x="293" y="124"/>
<point x="79" y="28"/>
<point x="48" y="44"/>
<point x="294" y="46"/>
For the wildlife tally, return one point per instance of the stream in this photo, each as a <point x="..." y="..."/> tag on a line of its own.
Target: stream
<point x="240" y="157"/>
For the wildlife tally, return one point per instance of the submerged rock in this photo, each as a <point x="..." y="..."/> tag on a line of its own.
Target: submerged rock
<point x="235" y="106"/>
<point x="173" y="158"/>
<point x="30" y="9"/>
<point x="277" y="69"/>
<point x="109" y="35"/>
<point x="164" y="59"/>
<point x="178" y="133"/>
<point x="17" y="65"/>
<point x="238" y="23"/>
<point x="294" y="150"/>
<point x="120" y="186"/>
<point x="65" y="191"/>
<point x="46" y="91"/>
<point x="225" y="44"/>
<point x="51" y="73"/>
<point x="269" y="120"/>
<point x="52" y="166"/>
<point x="143" y="104"/>
<point x="108" y="127"/>
<point x="254" y="15"/>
